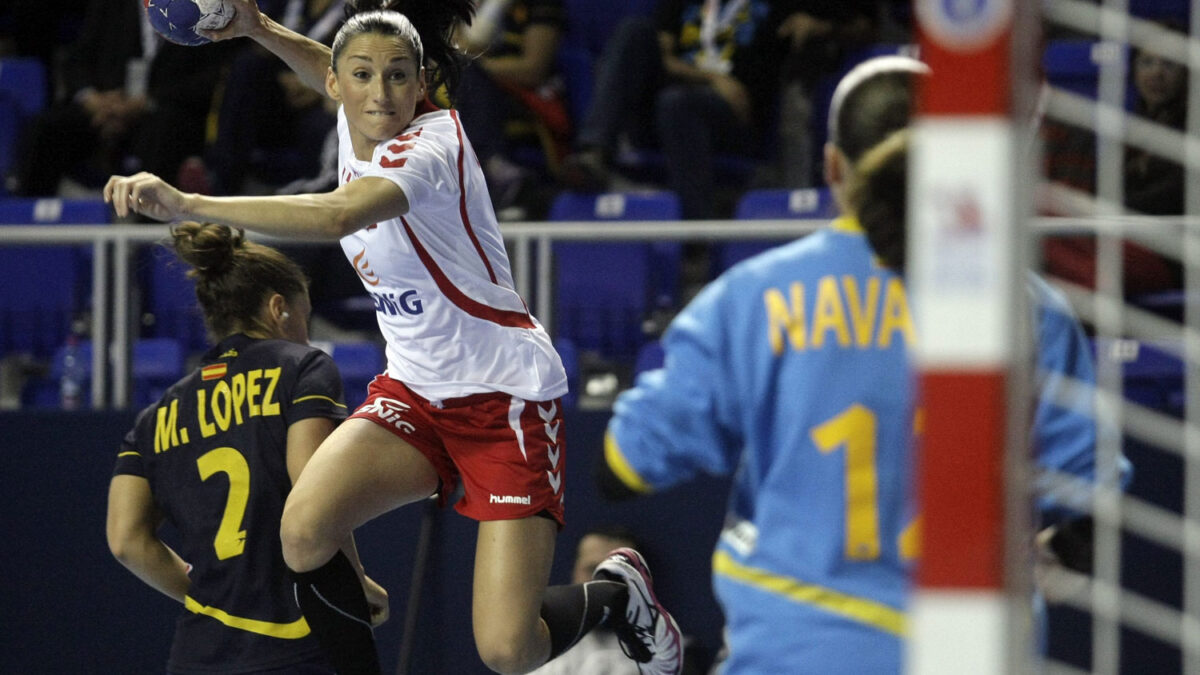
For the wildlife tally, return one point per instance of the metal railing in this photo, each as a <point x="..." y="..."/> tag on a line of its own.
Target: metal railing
<point x="531" y="244"/>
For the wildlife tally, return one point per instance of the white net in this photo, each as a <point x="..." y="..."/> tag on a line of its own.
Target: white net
<point x="1117" y="233"/>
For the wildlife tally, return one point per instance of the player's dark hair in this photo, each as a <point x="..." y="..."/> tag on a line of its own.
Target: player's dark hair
<point x="874" y="100"/>
<point x="878" y="193"/>
<point x="233" y="276"/>
<point x="427" y="25"/>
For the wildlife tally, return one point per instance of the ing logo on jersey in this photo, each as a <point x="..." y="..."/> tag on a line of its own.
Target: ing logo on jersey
<point x="389" y="410"/>
<point x="363" y="268"/>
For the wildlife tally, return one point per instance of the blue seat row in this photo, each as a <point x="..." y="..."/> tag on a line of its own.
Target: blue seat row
<point x="44" y="287"/>
<point x="22" y="95"/>
<point x="603" y="291"/>
<point x="156" y="364"/>
<point x="159" y="362"/>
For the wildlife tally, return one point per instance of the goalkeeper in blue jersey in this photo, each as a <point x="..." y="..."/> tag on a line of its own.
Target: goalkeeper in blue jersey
<point x="791" y="373"/>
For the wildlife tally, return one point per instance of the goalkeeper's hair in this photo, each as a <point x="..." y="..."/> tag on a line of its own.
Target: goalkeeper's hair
<point x="871" y="102"/>
<point x="878" y="193"/>
<point x="428" y="27"/>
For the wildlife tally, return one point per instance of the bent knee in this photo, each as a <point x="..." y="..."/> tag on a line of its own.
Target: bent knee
<point x="305" y="546"/>
<point x="508" y="655"/>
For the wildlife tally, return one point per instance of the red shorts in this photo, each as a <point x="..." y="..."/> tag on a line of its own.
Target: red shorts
<point x="508" y="451"/>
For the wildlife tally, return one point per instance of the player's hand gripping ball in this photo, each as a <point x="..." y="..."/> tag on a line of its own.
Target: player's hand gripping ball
<point x="177" y="20"/>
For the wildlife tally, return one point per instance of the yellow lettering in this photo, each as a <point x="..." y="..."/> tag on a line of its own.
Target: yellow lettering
<point x="780" y="318"/>
<point x="206" y="428"/>
<point x="237" y="387"/>
<point x="910" y="540"/>
<point x="269" y="405"/>
<point x="855" y="430"/>
<point x="895" y="316"/>
<point x="165" y="434"/>
<point x="252" y="390"/>
<point x="828" y="314"/>
<point x="220" y="405"/>
<point x="862" y="312"/>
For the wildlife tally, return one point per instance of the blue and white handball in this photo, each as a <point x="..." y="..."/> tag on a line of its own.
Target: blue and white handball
<point x="177" y="20"/>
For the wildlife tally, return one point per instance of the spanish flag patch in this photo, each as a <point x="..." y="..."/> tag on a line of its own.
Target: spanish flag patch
<point x="214" y="372"/>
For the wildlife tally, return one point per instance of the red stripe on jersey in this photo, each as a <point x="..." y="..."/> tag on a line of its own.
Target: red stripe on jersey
<point x="477" y="309"/>
<point x="388" y="163"/>
<point x="462" y="198"/>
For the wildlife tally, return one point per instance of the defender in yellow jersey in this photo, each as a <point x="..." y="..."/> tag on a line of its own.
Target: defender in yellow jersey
<point x="216" y="457"/>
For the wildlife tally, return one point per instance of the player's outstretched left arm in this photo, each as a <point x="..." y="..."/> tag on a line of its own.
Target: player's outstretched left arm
<point x="318" y="217"/>
<point x="309" y="58"/>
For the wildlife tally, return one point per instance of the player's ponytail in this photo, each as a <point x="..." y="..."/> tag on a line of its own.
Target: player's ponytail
<point x="428" y="25"/>
<point x="878" y="193"/>
<point x="233" y="276"/>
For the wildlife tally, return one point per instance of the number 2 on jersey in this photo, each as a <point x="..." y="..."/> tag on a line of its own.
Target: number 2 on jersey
<point x="854" y="429"/>
<point x="231" y="538"/>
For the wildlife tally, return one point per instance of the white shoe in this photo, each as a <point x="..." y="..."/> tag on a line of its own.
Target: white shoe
<point x="649" y="635"/>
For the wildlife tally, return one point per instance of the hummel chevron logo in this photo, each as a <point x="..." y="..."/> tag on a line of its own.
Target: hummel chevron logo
<point x="552" y="431"/>
<point x="555" y="481"/>
<point x="553" y="452"/>
<point x="547" y="414"/>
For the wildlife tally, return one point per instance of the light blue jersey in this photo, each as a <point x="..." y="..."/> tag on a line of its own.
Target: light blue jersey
<point x="791" y="372"/>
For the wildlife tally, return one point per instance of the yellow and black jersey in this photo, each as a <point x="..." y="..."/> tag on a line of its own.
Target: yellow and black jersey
<point x="214" y="450"/>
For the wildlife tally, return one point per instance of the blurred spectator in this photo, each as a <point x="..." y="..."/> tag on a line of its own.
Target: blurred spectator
<point x="270" y="125"/>
<point x="513" y="82"/>
<point x="821" y="34"/>
<point x="707" y="74"/>
<point x="1153" y="185"/>
<point x="132" y="101"/>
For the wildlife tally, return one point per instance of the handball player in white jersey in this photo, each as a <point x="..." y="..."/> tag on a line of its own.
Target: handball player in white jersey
<point x="473" y="385"/>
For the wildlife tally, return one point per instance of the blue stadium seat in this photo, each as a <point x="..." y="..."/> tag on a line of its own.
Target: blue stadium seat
<point x="169" y="299"/>
<point x="43" y="392"/>
<point x="603" y="290"/>
<point x="1074" y="65"/>
<point x="24" y="80"/>
<point x="44" y="286"/>
<point x="359" y="363"/>
<point x="22" y="95"/>
<point x="51" y="211"/>
<point x="1153" y="372"/>
<point x="156" y="364"/>
<point x="770" y="204"/>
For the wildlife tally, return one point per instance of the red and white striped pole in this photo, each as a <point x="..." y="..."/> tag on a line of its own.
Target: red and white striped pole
<point x="963" y="277"/>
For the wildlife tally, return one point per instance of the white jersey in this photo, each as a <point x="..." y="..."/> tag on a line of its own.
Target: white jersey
<point x="439" y="275"/>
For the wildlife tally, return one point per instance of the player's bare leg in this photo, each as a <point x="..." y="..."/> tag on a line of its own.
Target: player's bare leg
<point x="359" y="472"/>
<point x="512" y="568"/>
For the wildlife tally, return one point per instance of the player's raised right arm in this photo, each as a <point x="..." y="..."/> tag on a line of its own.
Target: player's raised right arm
<point x="309" y="58"/>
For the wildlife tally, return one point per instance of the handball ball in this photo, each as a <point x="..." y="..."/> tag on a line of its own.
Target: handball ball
<point x="177" y="20"/>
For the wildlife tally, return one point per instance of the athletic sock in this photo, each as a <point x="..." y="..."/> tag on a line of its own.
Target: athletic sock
<point x="335" y="607"/>
<point x="571" y="611"/>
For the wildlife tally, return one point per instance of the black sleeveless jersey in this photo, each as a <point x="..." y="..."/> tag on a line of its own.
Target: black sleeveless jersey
<point x="214" y="450"/>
